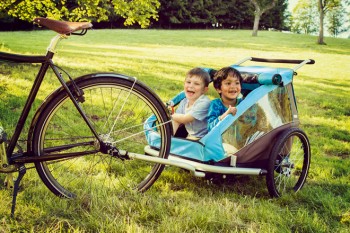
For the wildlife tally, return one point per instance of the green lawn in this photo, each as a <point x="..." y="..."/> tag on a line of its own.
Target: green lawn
<point x="179" y="202"/>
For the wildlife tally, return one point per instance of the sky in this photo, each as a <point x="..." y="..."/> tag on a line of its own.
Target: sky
<point x="291" y="4"/>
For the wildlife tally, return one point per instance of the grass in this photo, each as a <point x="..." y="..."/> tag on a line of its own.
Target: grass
<point x="178" y="202"/>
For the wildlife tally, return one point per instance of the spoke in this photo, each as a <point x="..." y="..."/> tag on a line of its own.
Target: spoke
<point x="138" y="133"/>
<point x="114" y="107"/>
<point x="121" y="109"/>
<point x="66" y="147"/>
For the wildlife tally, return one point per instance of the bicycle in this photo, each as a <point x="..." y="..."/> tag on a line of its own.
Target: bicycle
<point x="84" y="136"/>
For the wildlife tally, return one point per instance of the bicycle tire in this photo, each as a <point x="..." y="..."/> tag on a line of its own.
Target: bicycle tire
<point x="289" y="163"/>
<point x="106" y="99"/>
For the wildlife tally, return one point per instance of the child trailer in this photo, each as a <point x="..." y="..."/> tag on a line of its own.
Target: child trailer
<point x="262" y="138"/>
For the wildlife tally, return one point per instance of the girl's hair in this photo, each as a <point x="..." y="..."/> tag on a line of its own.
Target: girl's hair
<point x="223" y="73"/>
<point x="202" y="74"/>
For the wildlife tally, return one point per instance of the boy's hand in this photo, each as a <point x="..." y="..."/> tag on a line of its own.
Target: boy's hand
<point x="232" y="110"/>
<point x="170" y="107"/>
<point x="171" y="110"/>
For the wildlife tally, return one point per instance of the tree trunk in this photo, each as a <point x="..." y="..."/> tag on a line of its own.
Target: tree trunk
<point x="256" y="23"/>
<point x="259" y="10"/>
<point x="320" y="34"/>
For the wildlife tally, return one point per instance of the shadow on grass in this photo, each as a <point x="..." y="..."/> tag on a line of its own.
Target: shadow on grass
<point x="179" y="180"/>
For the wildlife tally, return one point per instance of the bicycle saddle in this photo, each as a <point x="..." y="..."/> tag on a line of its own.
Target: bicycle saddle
<point x="62" y="27"/>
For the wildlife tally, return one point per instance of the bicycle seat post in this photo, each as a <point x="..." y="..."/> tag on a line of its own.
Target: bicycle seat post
<point x="54" y="42"/>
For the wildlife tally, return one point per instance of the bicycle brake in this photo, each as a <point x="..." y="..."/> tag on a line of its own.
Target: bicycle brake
<point x="78" y="93"/>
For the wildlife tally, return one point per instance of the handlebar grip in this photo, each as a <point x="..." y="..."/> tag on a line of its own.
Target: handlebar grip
<point x="256" y="59"/>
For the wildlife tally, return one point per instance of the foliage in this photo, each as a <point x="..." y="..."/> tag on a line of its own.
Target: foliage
<point x="133" y="11"/>
<point x="233" y="14"/>
<point x="323" y="7"/>
<point x="336" y="20"/>
<point x="310" y="17"/>
<point x="304" y="17"/>
<point x="220" y="13"/>
<point x="140" y="11"/>
<point x="163" y="14"/>
<point x="179" y="202"/>
<point x="275" y="17"/>
<point x="327" y="5"/>
<point x="223" y="13"/>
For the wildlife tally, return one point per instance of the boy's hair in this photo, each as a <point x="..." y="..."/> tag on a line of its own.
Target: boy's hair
<point x="202" y="74"/>
<point x="223" y="73"/>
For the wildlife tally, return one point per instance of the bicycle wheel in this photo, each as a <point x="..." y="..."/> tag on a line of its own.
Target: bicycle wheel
<point x="117" y="108"/>
<point x="289" y="163"/>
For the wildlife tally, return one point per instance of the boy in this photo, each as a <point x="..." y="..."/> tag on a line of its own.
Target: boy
<point x="227" y="82"/>
<point x="193" y="110"/>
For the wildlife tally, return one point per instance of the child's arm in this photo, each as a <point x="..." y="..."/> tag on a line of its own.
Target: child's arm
<point x="182" y="118"/>
<point x="230" y="110"/>
<point x="178" y="119"/>
<point x="217" y="113"/>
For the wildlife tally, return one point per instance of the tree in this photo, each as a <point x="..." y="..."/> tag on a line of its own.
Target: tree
<point x="231" y="13"/>
<point x="260" y="6"/>
<point x="184" y="12"/>
<point x="336" y="21"/>
<point x="204" y="13"/>
<point x="133" y="11"/>
<point x="304" y="15"/>
<point x="277" y="17"/>
<point x="323" y="7"/>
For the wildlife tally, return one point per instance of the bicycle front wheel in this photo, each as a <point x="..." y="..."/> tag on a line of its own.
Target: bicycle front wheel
<point x="117" y="107"/>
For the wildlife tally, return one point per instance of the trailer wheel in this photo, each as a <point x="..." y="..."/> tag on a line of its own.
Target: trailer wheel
<point x="289" y="163"/>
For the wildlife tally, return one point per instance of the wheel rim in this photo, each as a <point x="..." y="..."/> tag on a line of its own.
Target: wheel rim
<point x="291" y="164"/>
<point x="100" y="174"/>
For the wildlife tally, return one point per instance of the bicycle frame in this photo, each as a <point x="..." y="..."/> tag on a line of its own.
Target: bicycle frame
<point x="47" y="63"/>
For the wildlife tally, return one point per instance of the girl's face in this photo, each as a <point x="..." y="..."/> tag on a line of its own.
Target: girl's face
<point x="230" y="89"/>
<point x="194" y="88"/>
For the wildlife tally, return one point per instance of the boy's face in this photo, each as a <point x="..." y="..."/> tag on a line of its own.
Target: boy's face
<point x="230" y="88"/>
<point x="194" y="88"/>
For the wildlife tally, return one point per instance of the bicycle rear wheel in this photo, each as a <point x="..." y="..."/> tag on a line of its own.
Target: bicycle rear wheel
<point x="117" y="108"/>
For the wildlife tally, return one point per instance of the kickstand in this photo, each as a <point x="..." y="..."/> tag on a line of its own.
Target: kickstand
<point x="21" y="172"/>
